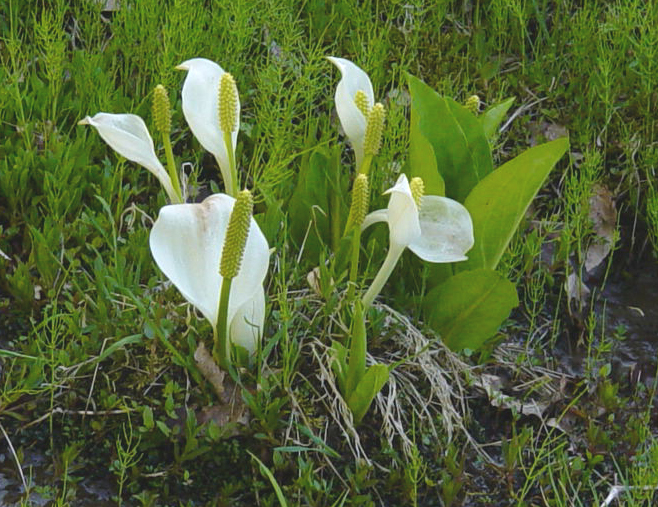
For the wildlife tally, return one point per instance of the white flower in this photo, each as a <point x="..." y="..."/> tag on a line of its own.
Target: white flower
<point x="186" y="242"/>
<point x="440" y="231"/>
<point x="128" y="136"/>
<point x="352" y="118"/>
<point x="200" y="98"/>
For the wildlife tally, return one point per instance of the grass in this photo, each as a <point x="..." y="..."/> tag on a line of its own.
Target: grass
<point x="97" y="389"/>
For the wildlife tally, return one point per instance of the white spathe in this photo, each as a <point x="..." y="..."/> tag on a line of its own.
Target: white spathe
<point x="440" y="231"/>
<point x="186" y="242"/>
<point x="200" y="98"/>
<point x="128" y="136"/>
<point x="246" y="327"/>
<point x="353" y="79"/>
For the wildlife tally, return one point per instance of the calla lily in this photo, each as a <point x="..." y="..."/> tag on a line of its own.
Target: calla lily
<point x="440" y="231"/>
<point x="247" y="325"/>
<point x="186" y="242"/>
<point x="200" y="98"/>
<point x="352" y="118"/>
<point x="128" y="136"/>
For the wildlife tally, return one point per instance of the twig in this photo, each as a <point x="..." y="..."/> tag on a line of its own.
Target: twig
<point x="518" y="112"/>
<point x="614" y="492"/>
<point x="58" y="410"/>
<point x="13" y="453"/>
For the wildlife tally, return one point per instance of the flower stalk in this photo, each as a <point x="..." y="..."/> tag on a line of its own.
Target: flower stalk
<point x="358" y="211"/>
<point x="229" y="267"/>
<point x="384" y="273"/>
<point x="162" y="116"/>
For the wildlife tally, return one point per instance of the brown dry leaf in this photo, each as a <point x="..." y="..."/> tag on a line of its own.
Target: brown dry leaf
<point x="576" y="289"/>
<point x="232" y="410"/>
<point x="552" y="131"/>
<point x="491" y="384"/>
<point x="603" y="214"/>
<point x="543" y="131"/>
<point x="109" y="5"/>
<point x="210" y="370"/>
<point x="224" y="415"/>
<point x="313" y="280"/>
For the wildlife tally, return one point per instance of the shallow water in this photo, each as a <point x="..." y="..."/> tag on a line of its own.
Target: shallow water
<point x="85" y="492"/>
<point x="631" y="304"/>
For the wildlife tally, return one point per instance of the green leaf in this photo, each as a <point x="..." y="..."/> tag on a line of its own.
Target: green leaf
<point x="163" y="428"/>
<point x="356" y="367"/>
<point x="319" y="188"/>
<point x="422" y="161"/>
<point x="467" y="309"/>
<point x="499" y="202"/>
<point x="275" y="485"/>
<point x="339" y="364"/>
<point x="147" y="418"/>
<point x="493" y="117"/>
<point x="372" y="382"/>
<point x="461" y="152"/>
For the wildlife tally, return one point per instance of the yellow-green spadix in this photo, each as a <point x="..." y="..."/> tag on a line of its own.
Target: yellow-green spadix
<point x="187" y="241"/>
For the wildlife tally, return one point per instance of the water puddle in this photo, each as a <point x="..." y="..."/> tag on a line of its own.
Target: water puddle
<point x="629" y="308"/>
<point x="83" y="493"/>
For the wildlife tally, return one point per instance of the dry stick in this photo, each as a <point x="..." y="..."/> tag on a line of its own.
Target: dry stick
<point x="614" y="492"/>
<point x="13" y="453"/>
<point x="58" y="410"/>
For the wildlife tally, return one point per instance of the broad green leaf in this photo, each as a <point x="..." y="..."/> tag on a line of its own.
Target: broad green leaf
<point x="357" y="362"/>
<point x="499" y="202"/>
<point x="310" y="209"/>
<point x="467" y="309"/>
<point x="339" y="364"/>
<point x="461" y="151"/>
<point x="371" y="383"/>
<point x="422" y="161"/>
<point x="493" y="117"/>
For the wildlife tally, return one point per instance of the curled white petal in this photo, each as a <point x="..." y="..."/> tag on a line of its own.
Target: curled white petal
<point x="380" y="215"/>
<point x="128" y="136"/>
<point x="446" y="231"/>
<point x="403" y="220"/>
<point x="353" y="79"/>
<point x="247" y="324"/>
<point x="200" y="98"/>
<point x="186" y="242"/>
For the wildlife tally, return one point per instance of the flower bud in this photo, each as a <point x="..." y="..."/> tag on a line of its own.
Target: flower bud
<point x="473" y="104"/>
<point x="161" y="110"/>
<point x="236" y="235"/>
<point x="228" y="103"/>
<point x="417" y="190"/>
<point x="374" y="129"/>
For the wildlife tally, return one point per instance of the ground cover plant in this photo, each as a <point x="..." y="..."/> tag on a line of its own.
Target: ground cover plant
<point x="370" y="375"/>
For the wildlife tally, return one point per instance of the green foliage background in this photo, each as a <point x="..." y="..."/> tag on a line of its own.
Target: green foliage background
<point x="87" y="325"/>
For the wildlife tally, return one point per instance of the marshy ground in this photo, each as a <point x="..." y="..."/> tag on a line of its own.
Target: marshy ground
<point x="95" y="408"/>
